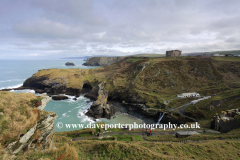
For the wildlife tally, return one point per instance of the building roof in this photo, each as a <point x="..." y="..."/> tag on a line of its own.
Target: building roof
<point x="193" y="93"/>
<point x="190" y="93"/>
<point x="173" y="50"/>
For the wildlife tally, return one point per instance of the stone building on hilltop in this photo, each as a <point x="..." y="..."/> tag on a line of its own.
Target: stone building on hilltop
<point x="173" y="53"/>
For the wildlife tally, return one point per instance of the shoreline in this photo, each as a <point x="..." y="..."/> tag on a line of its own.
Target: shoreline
<point x="118" y="106"/>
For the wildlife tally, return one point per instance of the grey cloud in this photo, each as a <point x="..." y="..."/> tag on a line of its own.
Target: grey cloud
<point x="80" y="10"/>
<point x="121" y="27"/>
<point x="49" y="29"/>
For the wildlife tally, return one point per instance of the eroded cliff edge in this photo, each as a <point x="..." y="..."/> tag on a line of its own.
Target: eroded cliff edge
<point x="36" y="132"/>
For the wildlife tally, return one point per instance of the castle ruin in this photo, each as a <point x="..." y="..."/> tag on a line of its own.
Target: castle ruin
<point x="226" y="121"/>
<point x="173" y="53"/>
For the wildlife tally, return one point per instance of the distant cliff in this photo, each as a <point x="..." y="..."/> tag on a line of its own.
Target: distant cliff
<point x="101" y="61"/>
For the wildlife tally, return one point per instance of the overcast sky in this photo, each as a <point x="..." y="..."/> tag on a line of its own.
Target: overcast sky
<point x="39" y="29"/>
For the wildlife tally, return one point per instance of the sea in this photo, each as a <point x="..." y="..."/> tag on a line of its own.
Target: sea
<point x="14" y="72"/>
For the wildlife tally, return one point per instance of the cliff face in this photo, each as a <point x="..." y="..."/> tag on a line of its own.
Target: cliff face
<point x="40" y="136"/>
<point x="101" y="61"/>
<point x="44" y="84"/>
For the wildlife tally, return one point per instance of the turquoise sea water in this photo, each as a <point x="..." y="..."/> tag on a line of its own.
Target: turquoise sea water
<point x="14" y="72"/>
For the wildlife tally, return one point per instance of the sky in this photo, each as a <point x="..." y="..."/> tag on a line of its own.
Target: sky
<point x="53" y="29"/>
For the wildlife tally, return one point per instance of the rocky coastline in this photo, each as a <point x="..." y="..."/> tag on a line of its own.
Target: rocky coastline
<point x="132" y="84"/>
<point x="134" y="105"/>
<point x="101" y="61"/>
<point x="52" y="87"/>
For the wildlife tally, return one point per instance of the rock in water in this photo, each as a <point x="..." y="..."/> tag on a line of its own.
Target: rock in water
<point x="59" y="97"/>
<point x="69" y="64"/>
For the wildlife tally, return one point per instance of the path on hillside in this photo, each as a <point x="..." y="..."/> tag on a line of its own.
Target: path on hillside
<point x="185" y="106"/>
<point x="195" y="120"/>
<point x="144" y="135"/>
<point x="182" y="110"/>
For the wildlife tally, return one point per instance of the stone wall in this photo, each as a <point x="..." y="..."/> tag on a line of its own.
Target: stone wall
<point x="173" y="53"/>
<point x="226" y="126"/>
<point x="226" y="121"/>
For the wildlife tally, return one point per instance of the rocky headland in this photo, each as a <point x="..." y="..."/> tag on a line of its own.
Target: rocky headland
<point x="101" y="61"/>
<point x="140" y="84"/>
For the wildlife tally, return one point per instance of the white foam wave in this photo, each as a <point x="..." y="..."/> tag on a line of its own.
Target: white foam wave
<point x="81" y="97"/>
<point x="70" y="97"/>
<point x="65" y="115"/>
<point x="80" y="114"/>
<point x="87" y="119"/>
<point x="9" y="87"/>
<point x="71" y="100"/>
<point x="25" y="91"/>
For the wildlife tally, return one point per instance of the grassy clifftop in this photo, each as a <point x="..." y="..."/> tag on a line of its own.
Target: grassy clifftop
<point x="24" y="126"/>
<point x="154" y="80"/>
<point x="18" y="114"/>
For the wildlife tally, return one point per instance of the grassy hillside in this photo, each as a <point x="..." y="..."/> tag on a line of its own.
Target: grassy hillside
<point x="137" y="80"/>
<point x="202" y="111"/>
<point x="156" y="80"/>
<point x="228" y="59"/>
<point x="226" y="52"/>
<point x="219" y="52"/>
<point x="18" y="115"/>
<point x="115" y="149"/>
<point x="148" y="55"/>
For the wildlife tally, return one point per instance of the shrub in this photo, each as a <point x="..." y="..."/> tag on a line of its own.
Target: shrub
<point x="236" y="117"/>
<point x="133" y="138"/>
<point x="36" y="102"/>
